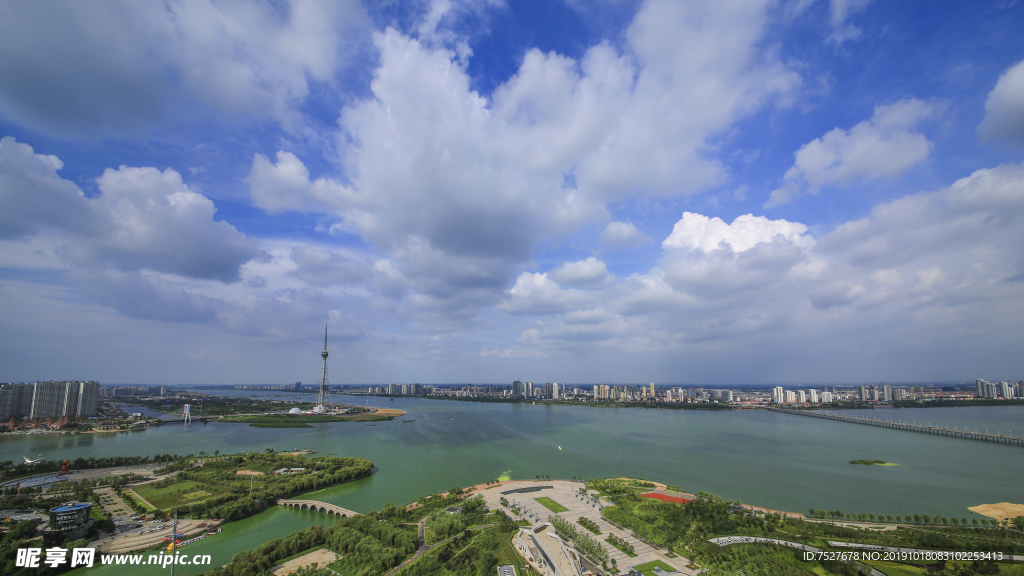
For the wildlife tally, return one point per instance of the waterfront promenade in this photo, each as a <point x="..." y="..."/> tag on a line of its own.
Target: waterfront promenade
<point x="911" y="427"/>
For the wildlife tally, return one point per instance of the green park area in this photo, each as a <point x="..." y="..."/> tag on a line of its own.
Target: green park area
<point x="235" y="486"/>
<point x="551" y="505"/>
<point x="443" y="524"/>
<point x="175" y="494"/>
<point x="475" y="541"/>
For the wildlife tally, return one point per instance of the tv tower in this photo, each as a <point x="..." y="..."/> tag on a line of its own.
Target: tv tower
<point x="322" y="395"/>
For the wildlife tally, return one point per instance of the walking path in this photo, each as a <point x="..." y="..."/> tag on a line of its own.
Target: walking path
<point x="727" y="540"/>
<point x="424" y="547"/>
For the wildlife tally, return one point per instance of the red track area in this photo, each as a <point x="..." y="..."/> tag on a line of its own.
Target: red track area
<point x="665" y="498"/>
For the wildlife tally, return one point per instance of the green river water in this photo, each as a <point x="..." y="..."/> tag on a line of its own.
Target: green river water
<point x="763" y="458"/>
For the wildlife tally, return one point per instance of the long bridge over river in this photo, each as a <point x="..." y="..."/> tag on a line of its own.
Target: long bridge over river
<point x="911" y="427"/>
<point x="319" y="507"/>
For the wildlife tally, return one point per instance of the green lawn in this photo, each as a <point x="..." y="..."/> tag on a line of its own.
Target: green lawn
<point x="551" y="505"/>
<point x="135" y="498"/>
<point x="179" y="493"/>
<point x="648" y="569"/>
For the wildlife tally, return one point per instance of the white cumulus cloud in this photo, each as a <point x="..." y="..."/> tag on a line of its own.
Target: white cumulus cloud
<point x="699" y="231"/>
<point x="884" y="146"/>
<point x="142" y="218"/>
<point x="622" y="234"/>
<point x="1004" y="108"/>
<point x="113" y="66"/>
<point x="589" y="273"/>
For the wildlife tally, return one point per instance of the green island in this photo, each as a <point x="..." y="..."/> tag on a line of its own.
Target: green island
<point x="874" y="462"/>
<point x="210" y="405"/>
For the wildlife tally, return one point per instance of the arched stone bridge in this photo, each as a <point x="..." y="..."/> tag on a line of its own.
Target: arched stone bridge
<point x="319" y="507"/>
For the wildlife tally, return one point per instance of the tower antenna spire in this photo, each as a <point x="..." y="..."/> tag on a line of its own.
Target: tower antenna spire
<point x="323" y="396"/>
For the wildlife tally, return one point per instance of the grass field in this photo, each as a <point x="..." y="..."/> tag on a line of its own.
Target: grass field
<point x="135" y="498"/>
<point x="648" y="569"/>
<point x="179" y="493"/>
<point x="551" y="505"/>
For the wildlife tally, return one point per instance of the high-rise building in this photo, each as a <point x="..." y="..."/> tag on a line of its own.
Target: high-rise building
<point x="554" y="391"/>
<point x="801" y="396"/>
<point x="827" y="397"/>
<point x="517" y="389"/>
<point x="48" y="399"/>
<point x="88" y="399"/>
<point x="70" y="407"/>
<point x="15" y="401"/>
<point x="863" y="393"/>
<point x="1004" y="390"/>
<point x="987" y="389"/>
<point x="790" y="396"/>
<point x="886" y="393"/>
<point x="727" y="395"/>
<point x="548" y="390"/>
<point x="812" y="396"/>
<point x="652" y="390"/>
<point x="777" y="397"/>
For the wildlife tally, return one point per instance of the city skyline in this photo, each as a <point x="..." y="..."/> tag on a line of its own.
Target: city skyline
<point x="713" y="192"/>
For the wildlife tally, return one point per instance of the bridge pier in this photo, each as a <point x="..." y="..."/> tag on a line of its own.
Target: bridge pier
<point x="318" y="506"/>
<point x="986" y="437"/>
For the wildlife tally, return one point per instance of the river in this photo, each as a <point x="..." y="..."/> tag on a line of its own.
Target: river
<point x="779" y="461"/>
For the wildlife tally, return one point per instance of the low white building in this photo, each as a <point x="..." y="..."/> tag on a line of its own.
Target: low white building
<point x="289" y="470"/>
<point x="542" y="547"/>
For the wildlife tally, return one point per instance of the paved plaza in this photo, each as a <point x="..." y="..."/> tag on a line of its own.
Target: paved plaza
<point x="564" y="492"/>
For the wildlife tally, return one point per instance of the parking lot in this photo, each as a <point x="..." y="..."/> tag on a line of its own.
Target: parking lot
<point x="113" y="505"/>
<point x="149" y="534"/>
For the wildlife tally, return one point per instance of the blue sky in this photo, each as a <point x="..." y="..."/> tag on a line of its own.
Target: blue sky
<point x="744" y="191"/>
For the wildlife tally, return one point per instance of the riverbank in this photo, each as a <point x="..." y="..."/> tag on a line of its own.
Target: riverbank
<point x="778" y="461"/>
